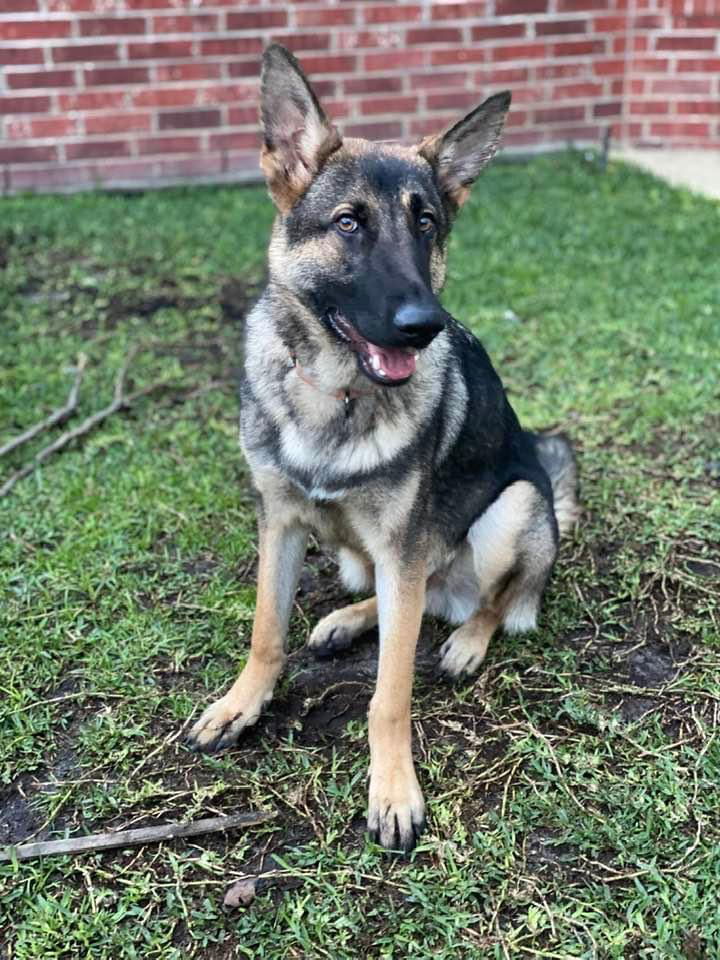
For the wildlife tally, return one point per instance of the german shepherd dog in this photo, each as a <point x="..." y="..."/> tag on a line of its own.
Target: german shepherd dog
<point x="373" y="418"/>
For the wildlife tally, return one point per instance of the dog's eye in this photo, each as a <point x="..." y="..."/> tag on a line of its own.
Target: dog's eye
<point x="346" y="223"/>
<point x="426" y="222"/>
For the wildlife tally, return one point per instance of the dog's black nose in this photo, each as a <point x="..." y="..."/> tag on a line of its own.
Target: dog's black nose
<point x="418" y="324"/>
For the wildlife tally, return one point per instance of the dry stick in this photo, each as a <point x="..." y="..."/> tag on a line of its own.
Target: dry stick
<point x="62" y="413"/>
<point x="119" y="401"/>
<point x="130" y="838"/>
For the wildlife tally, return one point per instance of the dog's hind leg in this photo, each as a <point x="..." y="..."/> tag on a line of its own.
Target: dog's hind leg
<point x="514" y="544"/>
<point x="282" y="549"/>
<point x="338" y="629"/>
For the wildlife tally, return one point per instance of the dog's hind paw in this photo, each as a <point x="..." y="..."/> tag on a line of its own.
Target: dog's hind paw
<point x="338" y="630"/>
<point x="463" y="651"/>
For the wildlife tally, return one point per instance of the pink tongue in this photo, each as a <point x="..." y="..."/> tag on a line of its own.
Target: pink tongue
<point x="395" y="364"/>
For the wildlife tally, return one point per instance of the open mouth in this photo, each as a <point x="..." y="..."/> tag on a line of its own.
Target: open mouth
<point x="390" y="366"/>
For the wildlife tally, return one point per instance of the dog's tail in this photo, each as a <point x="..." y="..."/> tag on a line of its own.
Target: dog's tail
<point x="556" y="455"/>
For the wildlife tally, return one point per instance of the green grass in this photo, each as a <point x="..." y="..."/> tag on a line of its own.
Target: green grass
<point x="572" y="787"/>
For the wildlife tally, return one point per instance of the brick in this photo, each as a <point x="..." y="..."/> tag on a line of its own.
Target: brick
<point x="651" y="65"/>
<point x="685" y="43"/>
<point x="442" y="58"/>
<point x="607" y="68"/>
<point x="244" y="68"/>
<point x="159" y="145"/>
<point x="520" y="51"/>
<point x="610" y="109"/>
<point x="44" y="178"/>
<point x="116" y="76"/>
<point x="708" y="107"/>
<point x="453" y="100"/>
<point x="498" y="31"/>
<point x="559" y="114"/>
<point x="582" y="6"/>
<point x="506" y="8"/>
<point x="329" y="64"/>
<point x="242" y="116"/>
<point x="111" y="26"/>
<point x="516" y="118"/>
<point x="698" y="130"/>
<point x="578" y="48"/>
<point x="191" y="23"/>
<point x="235" y="141"/>
<point x="397" y="60"/>
<point x="582" y="132"/>
<point x="649" y="108"/>
<point x="256" y="19"/>
<point x="433" y="35"/>
<point x="40" y="78"/>
<point x="570" y="91"/>
<point x="230" y="47"/>
<point x="20" y="56"/>
<point x="502" y="75"/>
<point x="27" y="154"/>
<point x="457" y="11"/>
<point x="524" y="138"/>
<point x="354" y="85"/>
<point x="550" y="28"/>
<point x="189" y="119"/>
<point x="205" y="165"/>
<point x="325" y="17"/>
<point x="648" y="22"/>
<point x="173" y="72"/>
<point x="85" y="53"/>
<point x="19" y="6"/>
<point x="160" y="50"/>
<point x="392" y="13"/>
<point x="389" y="130"/>
<point x="119" y="123"/>
<point x="95" y="149"/>
<point x="168" y="97"/>
<point x="40" y="127"/>
<point x="429" y="126"/>
<point x="389" y="105"/>
<point x="681" y="86"/>
<point x="24" y="104"/>
<point x="297" y="42"/>
<point x="429" y="81"/>
<point x="612" y="24"/>
<point x="705" y="65"/>
<point x="556" y="71"/>
<point x="92" y="100"/>
<point x="34" y="29"/>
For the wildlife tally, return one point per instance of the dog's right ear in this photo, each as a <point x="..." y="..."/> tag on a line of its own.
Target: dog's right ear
<point x="298" y="137"/>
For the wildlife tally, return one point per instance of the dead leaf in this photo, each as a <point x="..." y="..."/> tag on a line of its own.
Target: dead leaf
<point x="241" y="893"/>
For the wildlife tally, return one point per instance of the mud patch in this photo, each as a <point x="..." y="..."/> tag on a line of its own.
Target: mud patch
<point x="652" y="666"/>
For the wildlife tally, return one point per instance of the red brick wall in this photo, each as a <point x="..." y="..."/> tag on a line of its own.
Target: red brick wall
<point x="129" y="92"/>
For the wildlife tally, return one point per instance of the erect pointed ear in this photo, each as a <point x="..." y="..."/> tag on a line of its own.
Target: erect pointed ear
<point x="298" y="137"/>
<point x="459" y="154"/>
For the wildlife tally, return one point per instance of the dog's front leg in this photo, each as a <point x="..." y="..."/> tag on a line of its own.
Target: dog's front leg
<point x="281" y="553"/>
<point x="396" y="810"/>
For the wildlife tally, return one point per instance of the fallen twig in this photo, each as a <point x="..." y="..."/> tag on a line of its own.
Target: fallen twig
<point x="131" y="838"/>
<point x="62" y="413"/>
<point x="120" y="400"/>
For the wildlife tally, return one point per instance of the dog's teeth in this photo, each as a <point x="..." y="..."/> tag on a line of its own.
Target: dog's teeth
<point x="375" y="361"/>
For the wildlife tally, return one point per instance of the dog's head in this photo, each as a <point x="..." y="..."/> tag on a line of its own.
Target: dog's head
<point x="362" y="227"/>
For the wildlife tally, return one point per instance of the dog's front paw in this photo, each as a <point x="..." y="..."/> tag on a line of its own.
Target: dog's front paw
<point x="223" y="721"/>
<point x="463" y="652"/>
<point x="396" y="810"/>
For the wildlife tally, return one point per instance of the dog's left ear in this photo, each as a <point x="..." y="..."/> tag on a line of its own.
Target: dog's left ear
<point x="459" y="154"/>
<point x="298" y="137"/>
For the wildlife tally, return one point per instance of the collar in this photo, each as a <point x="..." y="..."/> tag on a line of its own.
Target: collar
<point x="346" y="394"/>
